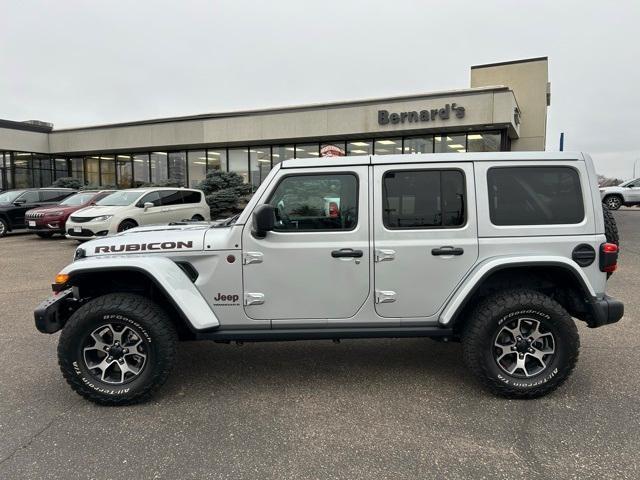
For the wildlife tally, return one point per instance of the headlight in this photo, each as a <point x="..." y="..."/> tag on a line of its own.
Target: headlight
<point x="102" y="218"/>
<point x="56" y="213"/>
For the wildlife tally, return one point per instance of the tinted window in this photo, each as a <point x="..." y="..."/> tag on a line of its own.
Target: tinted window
<point x="191" y="197"/>
<point x="30" y="196"/>
<point x="534" y="196"/>
<point x="153" y="197"/>
<point x="53" y="195"/>
<point x="171" y="197"/>
<point x="316" y="202"/>
<point x="423" y="199"/>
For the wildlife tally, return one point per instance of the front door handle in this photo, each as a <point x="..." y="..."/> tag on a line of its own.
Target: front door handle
<point x="447" y="251"/>
<point x="346" y="253"/>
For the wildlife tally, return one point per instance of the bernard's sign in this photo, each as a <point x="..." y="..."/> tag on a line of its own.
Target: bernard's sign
<point x="416" y="116"/>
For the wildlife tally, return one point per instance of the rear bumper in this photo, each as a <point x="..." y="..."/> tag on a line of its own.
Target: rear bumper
<point x="605" y="311"/>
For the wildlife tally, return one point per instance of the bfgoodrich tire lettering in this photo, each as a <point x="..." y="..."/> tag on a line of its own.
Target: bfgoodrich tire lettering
<point x="146" y="328"/>
<point x="533" y="314"/>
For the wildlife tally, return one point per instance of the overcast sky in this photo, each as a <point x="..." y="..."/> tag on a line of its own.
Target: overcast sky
<point x="81" y="62"/>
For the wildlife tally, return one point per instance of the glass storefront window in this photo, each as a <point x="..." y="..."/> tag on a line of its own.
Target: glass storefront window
<point x="359" y="147"/>
<point x="282" y="152"/>
<point x="260" y="164"/>
<point x="333" y="149"/>
<point x="450" y="143"/>
<point x="388" y="146"/>
<point x="239" y="162"/>
<point x="140" y="168"/>
<point x="178" y="167"/>
<point x="107" y="170"/>
<point x="217" y="159"/>
<point x="484" y="142"/>
<point x="61" y="167"/>
<point x="77" y="168"/>
<point x="418" y="144"/>
<point x="197" y="161"/>
<point x="159" y="171"/>
<point x="92" y="171"/>
<point x="41" y="173"/>
<point x="125" y="171"/>
<point x="307" y="150"/>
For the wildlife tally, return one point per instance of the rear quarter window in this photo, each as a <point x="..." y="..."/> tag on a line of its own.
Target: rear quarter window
<point x="191" y="197"/>
<point x="534" y="196"/>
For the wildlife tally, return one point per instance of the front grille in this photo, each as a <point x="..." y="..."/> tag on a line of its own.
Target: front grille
<point x="81" y="219"/>
<point x="84" y="233"/>
<point x="34" y="215"/>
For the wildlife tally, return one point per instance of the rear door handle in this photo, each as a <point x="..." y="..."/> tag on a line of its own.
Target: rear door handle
<point x="346" y="253"/>
<point x="447" y="251"/>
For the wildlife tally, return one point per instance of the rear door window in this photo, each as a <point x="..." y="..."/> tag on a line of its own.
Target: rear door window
<point x="534" y="196"/>
<point x="53" y="195"/>
<point x="191" y="197"/>
<point x="171" y="197"/>
<point x="423" y="199"/>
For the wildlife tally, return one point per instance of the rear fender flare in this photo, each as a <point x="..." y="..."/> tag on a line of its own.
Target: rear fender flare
<point x="474" y="280"/>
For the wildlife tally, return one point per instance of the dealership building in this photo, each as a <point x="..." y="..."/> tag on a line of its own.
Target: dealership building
<point x="505" y="108"/>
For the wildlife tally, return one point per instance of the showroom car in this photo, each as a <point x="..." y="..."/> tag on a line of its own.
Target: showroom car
<point x="50" y="220"/>
<point x="130" y="208"/>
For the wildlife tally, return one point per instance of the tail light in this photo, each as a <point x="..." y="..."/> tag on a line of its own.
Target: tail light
<point x="608" y="257"/>
<point x="334" y="211"/>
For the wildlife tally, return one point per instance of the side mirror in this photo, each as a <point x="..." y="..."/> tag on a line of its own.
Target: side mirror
<point x="148" y="205"/>
<point x="20" y="201"/>
<point x="264" y="218"/>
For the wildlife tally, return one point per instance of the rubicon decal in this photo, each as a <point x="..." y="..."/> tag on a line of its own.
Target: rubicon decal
<point x="143" y="247"/>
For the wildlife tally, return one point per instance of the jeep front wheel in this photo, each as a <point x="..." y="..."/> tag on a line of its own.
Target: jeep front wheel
<point x="117" y="349"/>
<point x="521" y="344"/>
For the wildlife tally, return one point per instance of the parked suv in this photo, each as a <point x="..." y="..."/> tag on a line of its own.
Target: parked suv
<point x="130" y="208"/>
<point x="47" y="221"/>
<point x="502" y="251"/>
<point x="15" y="203"/>
<point x="627" y="193"/>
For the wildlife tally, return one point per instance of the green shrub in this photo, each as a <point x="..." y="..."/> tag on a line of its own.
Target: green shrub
<point x="67" y="182"/>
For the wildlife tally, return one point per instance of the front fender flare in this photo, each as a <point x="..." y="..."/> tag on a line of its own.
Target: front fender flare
<point x="166" y="275"/>
<point x="472" y="282"/>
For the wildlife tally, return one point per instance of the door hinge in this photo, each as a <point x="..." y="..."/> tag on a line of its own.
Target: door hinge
<point x="253" y="298"/>
<point x="383" y="255"/>
<point x="385" y="296"/>
<point x="252" y="257"/>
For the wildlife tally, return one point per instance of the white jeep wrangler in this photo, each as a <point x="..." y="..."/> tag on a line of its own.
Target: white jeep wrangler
<point x="496" y="250"/>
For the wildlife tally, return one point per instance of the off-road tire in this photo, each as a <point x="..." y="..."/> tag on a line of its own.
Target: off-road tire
<point x="44" y="234"/>
<point x="610" y="202"/>
<point x="610" y="226"/>
<point x="499" y="310"/>
<point x="126" y="225"/>
<point x="4" y="228"/>
<point x="140" y="315"/>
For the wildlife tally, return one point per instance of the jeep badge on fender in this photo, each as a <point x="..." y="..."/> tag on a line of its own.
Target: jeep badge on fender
<point x="503" y="252"/>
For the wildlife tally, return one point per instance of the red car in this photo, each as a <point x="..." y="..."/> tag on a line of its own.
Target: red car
<point x="47" y="221"/>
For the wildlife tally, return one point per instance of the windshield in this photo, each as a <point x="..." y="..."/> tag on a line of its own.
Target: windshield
<point x="78" y="199"/>
<point x="9" y="197"/>
<point x="119" y="199"/>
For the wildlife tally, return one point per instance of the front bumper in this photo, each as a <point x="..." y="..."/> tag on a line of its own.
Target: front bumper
<point x="605" y="311"/>
<point x="87" y="230"/>
<point x="51" y="315"/>
<point x="55" y="225"/>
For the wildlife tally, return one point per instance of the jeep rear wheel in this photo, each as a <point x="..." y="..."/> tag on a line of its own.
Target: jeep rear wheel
<point x="117" y="349"/>
<point x="521" y="344"/>
<point x="613" y="202"/>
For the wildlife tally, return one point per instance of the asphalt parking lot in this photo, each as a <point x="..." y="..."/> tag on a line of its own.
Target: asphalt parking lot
<point x="401" y="409"/>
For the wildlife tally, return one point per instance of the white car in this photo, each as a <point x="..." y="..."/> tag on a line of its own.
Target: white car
<point x="130" y="208"/>
<point x="627" y="193"/>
